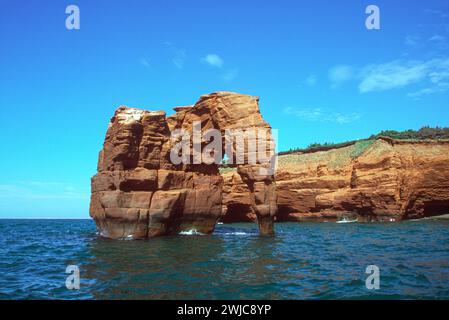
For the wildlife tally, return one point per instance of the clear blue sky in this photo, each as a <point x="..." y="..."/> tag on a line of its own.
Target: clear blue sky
<point x="321" y="75"/>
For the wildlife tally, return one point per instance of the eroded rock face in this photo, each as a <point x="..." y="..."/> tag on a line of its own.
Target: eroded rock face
<point x="380" y="180"/>
<point x="139" y="192"/>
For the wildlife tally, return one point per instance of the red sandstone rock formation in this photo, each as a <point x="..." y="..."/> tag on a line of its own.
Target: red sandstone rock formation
<point x="139" y="192"/>
<point x="373" y="180"/>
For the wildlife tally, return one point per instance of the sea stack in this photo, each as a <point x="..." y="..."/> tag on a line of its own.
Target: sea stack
<point x="139" y="192"/>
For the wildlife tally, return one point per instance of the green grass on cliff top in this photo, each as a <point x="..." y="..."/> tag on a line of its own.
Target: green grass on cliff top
<point x="425" y="133"/>
<point x="339" y="154"/>
<point x="334" y="158"/>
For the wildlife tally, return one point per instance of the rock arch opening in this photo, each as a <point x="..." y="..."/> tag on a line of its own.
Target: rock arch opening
<point x="139" y="192"/>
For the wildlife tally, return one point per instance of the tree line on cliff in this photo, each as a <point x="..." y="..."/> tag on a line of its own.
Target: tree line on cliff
<point x="425" y="133"/>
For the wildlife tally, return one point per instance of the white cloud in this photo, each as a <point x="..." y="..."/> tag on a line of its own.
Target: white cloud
<point x="440" y="87"/>
<point x="230" y="75"/>
<point x="178" y="60"/>
<point x="411" y="40"/>
<point x="179" y="55"/>
<point x="214" y="60"/>
<point x="346" y="118"/>
<point x="311" y="80"/>
<point x="437" y="38"/>
<point x="322" y="115"/>
<point x="433" y="11"/>
<point x="145" y="63"/>
<point x="399" y="74"/>
<point x="439" y="42"/>
<point x="340" y="74"/>
<point x="395" y="74"/>
<point x="418" y="94"/>
<point x="431" y="75"/>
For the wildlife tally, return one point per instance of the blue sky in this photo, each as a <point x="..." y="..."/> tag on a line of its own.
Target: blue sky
<point x="320" y="74"/>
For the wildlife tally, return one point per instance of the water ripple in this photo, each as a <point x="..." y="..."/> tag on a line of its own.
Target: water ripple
<point x="303" y="261"/>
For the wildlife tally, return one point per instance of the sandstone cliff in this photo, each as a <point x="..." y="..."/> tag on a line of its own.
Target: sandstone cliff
<point x="380" y="180"/>
<point x="139" y="192"/>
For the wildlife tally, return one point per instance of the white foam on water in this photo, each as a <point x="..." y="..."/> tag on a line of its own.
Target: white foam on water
<point x="104" y="234"/>
<point x="236" y="233"/>
<point x="191" y="232"/>
<point x="347" y="221"/>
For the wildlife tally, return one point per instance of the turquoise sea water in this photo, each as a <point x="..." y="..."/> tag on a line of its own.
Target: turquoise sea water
<point x="303" y="261"/>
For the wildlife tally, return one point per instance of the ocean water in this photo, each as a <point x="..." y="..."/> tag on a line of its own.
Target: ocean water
<point x="303" y="261"/>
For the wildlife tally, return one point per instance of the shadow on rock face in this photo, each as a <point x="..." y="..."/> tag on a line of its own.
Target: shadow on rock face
<point x="139" y="192"/>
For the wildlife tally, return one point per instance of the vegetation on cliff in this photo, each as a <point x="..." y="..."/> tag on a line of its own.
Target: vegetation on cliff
<point x="380" y="179"/>
<point x="425" y="133"/>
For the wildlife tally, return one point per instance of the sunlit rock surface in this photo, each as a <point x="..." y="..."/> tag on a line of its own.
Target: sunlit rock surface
<point x="140" y="193"/>
<point x="381" y="180"/>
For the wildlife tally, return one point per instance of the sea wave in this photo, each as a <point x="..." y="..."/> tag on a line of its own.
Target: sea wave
<point x="347" y="221"/>
<point x="191" y="232"/>
<point x="304" y="260"/>
<point x="236" y="233"/>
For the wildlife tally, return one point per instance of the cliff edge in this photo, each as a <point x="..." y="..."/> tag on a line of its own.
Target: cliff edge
<point x="371" y="180"/>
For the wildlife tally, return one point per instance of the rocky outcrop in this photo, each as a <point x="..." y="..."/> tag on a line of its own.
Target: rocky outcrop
<point x="140" y="192"/>
<point x="373" y="180"/>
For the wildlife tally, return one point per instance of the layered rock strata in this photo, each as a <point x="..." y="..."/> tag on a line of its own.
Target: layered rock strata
<point x="140" y="192"/>
<point x="374" y="180"/>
